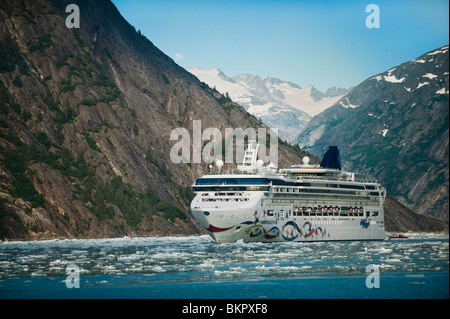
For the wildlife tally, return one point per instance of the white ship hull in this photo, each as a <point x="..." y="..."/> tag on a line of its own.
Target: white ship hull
<point x="231" y="223"/>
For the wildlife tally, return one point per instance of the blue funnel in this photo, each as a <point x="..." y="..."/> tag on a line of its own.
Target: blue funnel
<point x="332" y="158"/>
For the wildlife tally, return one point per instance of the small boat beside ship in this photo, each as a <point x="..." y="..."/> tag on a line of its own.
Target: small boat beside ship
<point x="397" y="237"/>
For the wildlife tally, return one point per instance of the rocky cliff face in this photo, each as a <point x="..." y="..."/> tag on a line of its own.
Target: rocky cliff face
<point x="85" y="122"/>
<point x="395" y="126"/>
<point x="399" y="218"/>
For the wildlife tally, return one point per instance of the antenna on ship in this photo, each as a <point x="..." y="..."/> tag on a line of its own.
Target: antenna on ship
<point x="250" y="163"/>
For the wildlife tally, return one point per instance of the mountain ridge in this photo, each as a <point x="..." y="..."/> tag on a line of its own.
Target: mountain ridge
<point x="279" y="104"/>
<point x="394" y="125"/>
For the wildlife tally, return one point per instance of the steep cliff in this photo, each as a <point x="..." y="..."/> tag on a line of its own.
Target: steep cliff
<point x="399" y="218"/>
<point x="85" y="121"/>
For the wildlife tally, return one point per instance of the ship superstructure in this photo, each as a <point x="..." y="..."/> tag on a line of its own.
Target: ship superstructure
<point x="300" y="203"/>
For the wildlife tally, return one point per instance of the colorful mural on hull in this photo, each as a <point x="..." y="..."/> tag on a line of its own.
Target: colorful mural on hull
<point x="290" y="231"/>
<point x="258" y="230"/>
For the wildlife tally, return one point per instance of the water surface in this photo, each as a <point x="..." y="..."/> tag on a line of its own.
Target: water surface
<point x="197" y="267"/>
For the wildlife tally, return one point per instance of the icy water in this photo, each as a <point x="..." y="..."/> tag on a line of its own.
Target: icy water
<point x="196" y="267"/>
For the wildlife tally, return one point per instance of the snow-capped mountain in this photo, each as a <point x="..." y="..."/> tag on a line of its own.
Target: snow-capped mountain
<point x="279" y="104"/>
<point x="309" y="99"/>
<point x="395" y="126"/>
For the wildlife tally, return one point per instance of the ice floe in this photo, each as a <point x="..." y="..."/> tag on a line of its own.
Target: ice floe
<point x="200" y="258"/>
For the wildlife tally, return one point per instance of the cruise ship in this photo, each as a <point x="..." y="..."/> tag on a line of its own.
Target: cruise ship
<point x="261" y="203"/>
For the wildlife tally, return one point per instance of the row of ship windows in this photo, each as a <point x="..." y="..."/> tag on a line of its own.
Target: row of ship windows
<point x="327" y="185"/>
<point x="223" y="194"/>
<point x="224" y="199"/>
<point x="282" y="213"/>
<point x="329" y="200"/>
<point x="232" y="189"/>
<point x="245" y="199"/>
<point x="281" y="190"/>
<point x="276" y="182"/>
<point x="323" y="191"/>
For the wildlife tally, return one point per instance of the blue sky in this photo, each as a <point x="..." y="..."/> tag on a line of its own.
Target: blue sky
<point x="323" y="43"/>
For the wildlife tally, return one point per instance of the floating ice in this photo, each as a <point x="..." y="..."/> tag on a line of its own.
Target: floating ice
<point x="199" y="258"/>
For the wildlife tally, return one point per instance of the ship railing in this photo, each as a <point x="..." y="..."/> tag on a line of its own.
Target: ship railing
<point x="357" y="177"/>
<point x="363" y="178"/>
<point x="333" y="178"/>
<point x="233" y="171"/>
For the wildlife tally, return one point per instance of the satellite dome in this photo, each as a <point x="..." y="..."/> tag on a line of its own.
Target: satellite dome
<point x="259" y="163"/>
<point x="306" y="160"/>
<point x="219" y="163"/>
